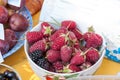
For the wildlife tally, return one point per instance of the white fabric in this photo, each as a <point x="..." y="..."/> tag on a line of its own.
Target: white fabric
<point x="104" y="15"/>
<point x="1" y="31"/>
<point x="1" y="58"/>
<point x="1" y="37"/>
<point x="14" y="2"/>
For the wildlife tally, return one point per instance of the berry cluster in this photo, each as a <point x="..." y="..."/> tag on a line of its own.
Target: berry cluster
<point x="8" y="75"/>
<point x="63" y="50"/>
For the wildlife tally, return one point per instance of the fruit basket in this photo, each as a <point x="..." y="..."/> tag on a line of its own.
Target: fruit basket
<point x="46" y="73"/>
<point x="8" y="73"/>
<point x="25" y="12"/>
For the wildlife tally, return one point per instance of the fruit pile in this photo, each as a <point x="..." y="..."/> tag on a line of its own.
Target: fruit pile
<point x="14" y="24"/>
<point x="65" y="49"/>
<point x="8" y="75"/>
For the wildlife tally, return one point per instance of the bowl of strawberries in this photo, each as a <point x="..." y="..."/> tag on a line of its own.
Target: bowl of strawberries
<point x="62" y="51"/>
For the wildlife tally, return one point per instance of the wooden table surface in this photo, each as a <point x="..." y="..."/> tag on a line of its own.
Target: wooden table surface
<point x="19" y="62"/>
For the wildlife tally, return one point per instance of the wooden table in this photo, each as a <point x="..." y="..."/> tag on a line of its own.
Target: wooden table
<point x="19" y="62"/>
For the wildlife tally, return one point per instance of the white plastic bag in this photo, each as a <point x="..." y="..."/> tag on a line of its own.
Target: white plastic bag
<point x="104" y="15"/>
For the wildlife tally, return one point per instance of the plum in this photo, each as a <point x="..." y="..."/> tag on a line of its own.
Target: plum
<point x="10" y="37"/>
<point x="4" y="46"/>
<point x="18" y="22"/>
<point x="3" y="2"/>
<point x="3" y="15"/>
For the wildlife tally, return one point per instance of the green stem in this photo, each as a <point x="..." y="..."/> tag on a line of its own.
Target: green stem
<point x="58" y="24"/>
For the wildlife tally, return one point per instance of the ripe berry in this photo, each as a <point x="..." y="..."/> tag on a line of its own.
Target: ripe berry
<point x="77" y="59"/>
<point x="33" y="36"/>
<point x="46" y="29"/>
<point x="92" y="40"/>
<point x="92" y="55"/>
<point x="58" y="66"/>
<point x="74" y="68"/>
<point x="36" y="55"/>
<point x="69" y="24"/>
<point x="77" y="33"/>
<point x="53" y="55"/>
<point x="59" y="42"/>
<point x="66" y="53"/>
<point x="39" y="45"/>
<point x="57" y="33"/>
<point x="43" y="63"/>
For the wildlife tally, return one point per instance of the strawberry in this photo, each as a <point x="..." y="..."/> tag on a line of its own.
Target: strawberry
<point x="58" y="66"/>
<point x="39" y="45"/>
<point x="33" y="36"/>
<point x="10" y="37"/>
<point x="77" y="33"/>
<point x="52" y="55"/>
<point x="77" y="59"/>
<point x="59" y="42"/>
<point x="66" y="53"/>
<point x="46" y="29"/>
<point x="69" y="24"/>
<point x="57" y="33"/>
<point x="92" y="55"/>
<point x="74" y="68"/>
<point x="93" y="40"/>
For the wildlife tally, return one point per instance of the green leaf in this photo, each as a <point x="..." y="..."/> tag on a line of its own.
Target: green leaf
<point x="58" y="24"/>
<point x="56" y="78"/>
<point x="91" y="29"/>
<point x="71" y="76"/>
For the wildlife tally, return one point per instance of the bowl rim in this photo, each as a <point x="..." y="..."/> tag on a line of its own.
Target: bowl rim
<point x="12" y="69"/>
<point x="61" y="74"/>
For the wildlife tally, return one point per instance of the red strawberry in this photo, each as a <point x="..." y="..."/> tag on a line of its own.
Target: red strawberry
<point x="69" y="24"/>
<point x="77" y="59"/>
<point x="93" y="40"/>
<point x="33" y="36"/>
<point x="58" y="66"/>
<point x="77" y="33"/>
<point x="53" y="55"/>
<point x="59" y="42"/>
<point x="57" y="33"/>
<point x="74" y="68"/>
<point x="10" y="37"/>
<point x="46" y="29"/>
<point x="92" y="55"/>
<point x="66" y="53"/>
<point x="39" y="45"/>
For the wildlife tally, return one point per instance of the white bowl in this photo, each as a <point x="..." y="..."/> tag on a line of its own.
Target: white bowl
<point x="42" y="73"/>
